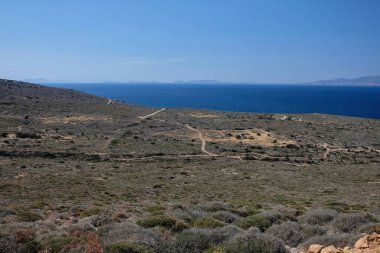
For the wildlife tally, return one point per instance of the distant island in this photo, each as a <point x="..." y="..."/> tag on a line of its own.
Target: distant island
<point x="362" y="81"/>
<point x="366" y="80"/>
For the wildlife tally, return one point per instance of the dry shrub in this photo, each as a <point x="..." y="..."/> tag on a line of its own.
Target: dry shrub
<point x="290" y="232"/>
<point x="318" y="216"/>
<point x="347" y="223"/>
<point x="255" y="242"/>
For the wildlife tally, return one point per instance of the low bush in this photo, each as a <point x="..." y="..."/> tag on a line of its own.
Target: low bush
<point x="253" y="221"/>
<point x="31" y="246"/>
<point x="130" y="232"/>
<point x="56" y="245"/>
<point x="213" y="206"/>
<point x="29" y="135"/>
<point x="347" y="223"/>
<point x="370" y="228"/>
<point x="290" y="232"/>
<point x="225" y="216"/>
<point x="207" y="222"/>
<point x="198" y="240"/>
<point x="255" y="243"/>
<point x="28" y="216"/>
<point x="318" y="216"/>
<point x="154" y="221"/>
<point x="279" y="214"/>
<point x="313" y="230"/>
<point x="338" y="240"/>
<point x="90" y="212"/>
<point x="127" y="247"/>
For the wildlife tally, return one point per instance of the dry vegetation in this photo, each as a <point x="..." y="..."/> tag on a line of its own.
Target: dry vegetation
<point x="80" y="174"/>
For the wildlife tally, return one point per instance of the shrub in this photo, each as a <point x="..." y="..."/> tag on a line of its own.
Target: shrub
<point x="338" y="240"/>
<point x="253" y="221"/>
<point x="347" y="223"/>
<point x="31" y="246"/>
<point x="213" y="206"/>
<point x="290" y="232"/>
<point x="30" y="135"/>
<point x="318" y="216"/>
<point x="154" y="221"/>
<point x="255" y="243"/>
<point x="207" y="223"/>
<point x="225" y="216"/>
<point x="181" y="214"/>
<point x="198" y="240"/>
<point x="7" y="244"/>
<point x="126" y="247"/>
<point x="90" y="212"/>
<point x="313" y="230"/>
<point x="179" y="226"/>
<point x="279" y="214"/>
<point x="28" y="216"/>
<point x="370" y="228"/>
<point x="56" y="245"/>
<point x="77" y="209"/>
<point x="127" y="231"/>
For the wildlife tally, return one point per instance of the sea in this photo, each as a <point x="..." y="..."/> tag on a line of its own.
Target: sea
<point x="259" y="98"/>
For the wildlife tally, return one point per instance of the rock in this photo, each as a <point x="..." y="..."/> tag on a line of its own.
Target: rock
<point x="346" y="249"/>
<point x="315" y="248"/>
<point x="329" y="249"/>
<point x="360" y="242"/>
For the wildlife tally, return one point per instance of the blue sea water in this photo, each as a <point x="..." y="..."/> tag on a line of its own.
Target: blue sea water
<point x="339" y="100"/>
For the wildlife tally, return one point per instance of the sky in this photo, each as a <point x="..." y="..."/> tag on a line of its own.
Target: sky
<point x="264" y="41"/>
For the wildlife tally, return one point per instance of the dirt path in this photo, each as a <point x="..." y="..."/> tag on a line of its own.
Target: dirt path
<point x="149" y="115"/>
<point x="109" y="101"/>
<point x="200" y="136"/>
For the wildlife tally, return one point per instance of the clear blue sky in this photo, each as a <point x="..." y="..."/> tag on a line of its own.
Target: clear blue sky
<point x="264" y="41"/>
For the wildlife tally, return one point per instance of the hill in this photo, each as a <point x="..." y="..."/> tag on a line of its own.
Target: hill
<point x="80" y="173"/>
<point x="367" y="80"/>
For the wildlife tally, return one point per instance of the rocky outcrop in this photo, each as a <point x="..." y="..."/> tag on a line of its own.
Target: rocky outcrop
<point x="366" y="244"/>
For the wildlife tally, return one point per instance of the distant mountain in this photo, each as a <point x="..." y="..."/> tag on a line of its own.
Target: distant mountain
<point x="199" y="81"/>
<point x="365" y="81"/>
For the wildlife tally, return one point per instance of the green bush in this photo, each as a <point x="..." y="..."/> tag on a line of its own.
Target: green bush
<point x="207" y="222"/>
<point x="253" y="221"/>
<point x="225" y="216"/>
<point x="213" y="206"/>
<point x="154" y="221"/>
<point x="90" y="212"/>
<point x="31" y="246"/>
<point x="127" y="247"/>
<point x="28" y="216"/>
<point x="57" y="244"/>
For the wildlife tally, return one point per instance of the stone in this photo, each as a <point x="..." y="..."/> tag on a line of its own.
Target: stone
<point x="315" y="248"/>
<point x="329" y="249"/>
<point x="360" y="242"/>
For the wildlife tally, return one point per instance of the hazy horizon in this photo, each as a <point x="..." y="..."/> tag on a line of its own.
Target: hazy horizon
<point x="238" y="42"/>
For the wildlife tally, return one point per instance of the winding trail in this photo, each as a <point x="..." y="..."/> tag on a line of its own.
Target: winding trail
<point x="200" y="136"/>
<point x="109" y="101"/>
<point x="149" y="115"/>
